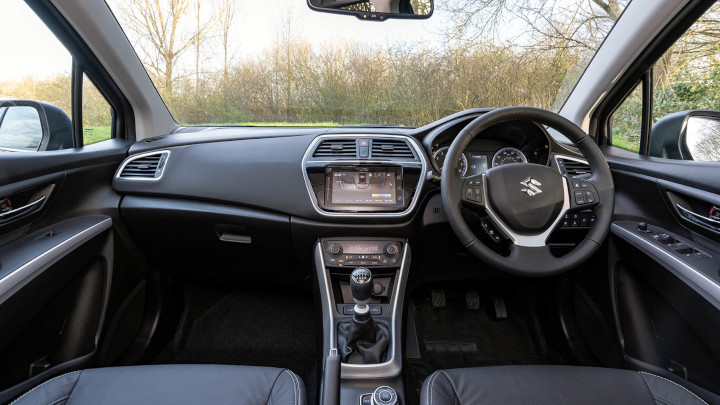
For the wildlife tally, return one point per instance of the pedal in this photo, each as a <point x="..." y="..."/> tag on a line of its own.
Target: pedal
<point x="500" y="308"/>
<point x="438" y="298"/>
<point x="472" y="300"/>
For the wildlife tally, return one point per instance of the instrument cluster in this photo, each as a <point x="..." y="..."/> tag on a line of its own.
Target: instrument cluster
<point x="506" y="143"/>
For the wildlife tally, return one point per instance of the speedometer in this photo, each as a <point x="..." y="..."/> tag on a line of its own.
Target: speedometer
<point x="440" y="155"/>
<point x="508" y="155"/>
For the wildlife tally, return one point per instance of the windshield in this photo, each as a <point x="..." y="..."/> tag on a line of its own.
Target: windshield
<point x="276" y="62"/>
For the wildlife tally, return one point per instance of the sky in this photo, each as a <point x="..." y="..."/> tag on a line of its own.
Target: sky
<point x="34" y="50"/>
<point x="37" y="53"/>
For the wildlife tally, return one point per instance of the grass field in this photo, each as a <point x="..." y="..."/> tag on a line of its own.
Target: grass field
<point x="93" y="135"/>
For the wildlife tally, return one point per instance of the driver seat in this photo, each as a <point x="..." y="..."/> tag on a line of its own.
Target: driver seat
<point x="559" y="385"/>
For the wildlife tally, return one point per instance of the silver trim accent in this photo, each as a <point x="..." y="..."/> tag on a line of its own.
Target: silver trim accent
<point x="28" y="271"/>
<point x="139" y="156"/>
<point x="393" y="366"/>
<point x="536" y="240"/>
<point x="384" y="403"/>
<point x="413" y="199"/>
<point x="573" y="158"/>
<point x="26" y="207"/>
<point x="704" y="285"/>
<point x="698" y="216"/>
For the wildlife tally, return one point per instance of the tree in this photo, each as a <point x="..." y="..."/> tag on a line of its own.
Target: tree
<point x="226" y="19"/>
<point x="158" y="26"/>
<point x="563" y="23"/>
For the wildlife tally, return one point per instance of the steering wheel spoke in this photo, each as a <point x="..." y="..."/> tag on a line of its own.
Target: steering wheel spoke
<point x="473" y="191"/>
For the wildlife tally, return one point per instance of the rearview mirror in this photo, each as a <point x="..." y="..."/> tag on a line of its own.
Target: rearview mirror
<point x="687" y="135"/>
<point x="375" y="9"/>
<point x="29" y="126"/>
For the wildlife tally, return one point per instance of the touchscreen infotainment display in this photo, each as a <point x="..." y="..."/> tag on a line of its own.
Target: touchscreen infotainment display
<point x="363" y="186"/>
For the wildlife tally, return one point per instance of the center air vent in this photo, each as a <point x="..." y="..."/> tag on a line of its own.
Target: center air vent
<point x="336" y="148"/>
<point x="391" y="148"/>
<point x="148" y="166"/>
<point x="573" y="168"/>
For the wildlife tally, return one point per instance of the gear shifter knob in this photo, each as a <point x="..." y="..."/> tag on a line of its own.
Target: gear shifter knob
<point x="361" y="285"/>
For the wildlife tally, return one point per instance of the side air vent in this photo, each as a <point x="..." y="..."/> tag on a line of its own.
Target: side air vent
<point x="147" y="166"/>
<point x="391" y="148"/>
<point x="336" y="148"/>
<point x="573" y="168"/>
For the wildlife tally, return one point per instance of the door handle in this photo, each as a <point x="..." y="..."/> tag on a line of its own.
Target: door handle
<point x="698" y="219"/>
<point x="21" y="210"/>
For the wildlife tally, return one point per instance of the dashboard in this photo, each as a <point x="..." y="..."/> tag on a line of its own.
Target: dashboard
<point x="350" y="175"/>
<point x="225" y="198"/>
<point x="505" y="143"/>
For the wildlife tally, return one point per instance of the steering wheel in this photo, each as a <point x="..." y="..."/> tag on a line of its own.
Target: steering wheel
<point x="526" y="201"/>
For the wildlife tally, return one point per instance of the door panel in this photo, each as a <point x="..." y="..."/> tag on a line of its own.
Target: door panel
<point x="52" y="289"/>
<point x="58" y="282"/>
<point x="665" y="279"/>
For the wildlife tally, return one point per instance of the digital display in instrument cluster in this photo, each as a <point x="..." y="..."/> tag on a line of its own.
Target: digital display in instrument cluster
<point x="477" y="163"/>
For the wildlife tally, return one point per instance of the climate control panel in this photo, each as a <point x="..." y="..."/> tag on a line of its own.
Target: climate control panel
<point x="362" y="252"/>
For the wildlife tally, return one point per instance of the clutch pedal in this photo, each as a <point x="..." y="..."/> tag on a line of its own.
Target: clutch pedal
<point x="438" y="298"/>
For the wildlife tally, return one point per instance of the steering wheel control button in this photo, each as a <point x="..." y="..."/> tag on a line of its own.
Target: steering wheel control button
<point x="469" y="195"/>
<point x="491" y="231"/>
<point x="589" y="197"/>
<point x="579" y="198"/>
<point x="385" y="396"/>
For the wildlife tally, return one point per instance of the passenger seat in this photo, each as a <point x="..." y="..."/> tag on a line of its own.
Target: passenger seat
<point x="197" y="384"/>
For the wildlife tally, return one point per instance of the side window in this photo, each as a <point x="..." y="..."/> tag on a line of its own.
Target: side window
<point x="96" y="114"/>
<point x="626" y="121"/>
<point x="35" y="72"/>
<point x="686" y="95"/>
<point x="36" y="88"/>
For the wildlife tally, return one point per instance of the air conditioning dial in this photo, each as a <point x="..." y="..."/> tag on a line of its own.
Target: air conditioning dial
<point x="391" y="249"/>
<point x="336" y="249"/>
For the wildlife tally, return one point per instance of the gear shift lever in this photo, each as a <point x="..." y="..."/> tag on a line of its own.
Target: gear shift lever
<point x="362" y="341"/>
<point x="361" y="285"/>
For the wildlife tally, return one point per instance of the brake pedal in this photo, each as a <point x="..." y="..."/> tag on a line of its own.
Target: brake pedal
<point x="500" y="308"/>
<point x="472" y="300"/>
<point x="438" y="298"/>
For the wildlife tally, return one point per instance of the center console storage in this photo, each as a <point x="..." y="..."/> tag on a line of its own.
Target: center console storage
<point x="379" y="268"/>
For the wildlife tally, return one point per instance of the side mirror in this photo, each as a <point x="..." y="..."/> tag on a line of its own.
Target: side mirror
<point x="687" y="135"/>
<point x="29" y="126"/>
<point x="378" y="10"/>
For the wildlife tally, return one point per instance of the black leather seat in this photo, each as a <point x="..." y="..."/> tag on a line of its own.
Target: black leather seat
<point x="170" y="384"/>
<point x="558" y="385"/>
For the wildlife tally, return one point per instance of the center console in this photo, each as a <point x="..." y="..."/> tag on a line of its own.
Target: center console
<point x="384" y="261"/>
<point x="364" y="175"/>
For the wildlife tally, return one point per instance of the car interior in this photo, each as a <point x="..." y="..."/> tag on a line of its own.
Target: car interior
<point x="486" y="254"/>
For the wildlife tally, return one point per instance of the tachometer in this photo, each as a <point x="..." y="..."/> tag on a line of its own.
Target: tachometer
<point x="440" y="155"/>
<point x="508" y="155"/>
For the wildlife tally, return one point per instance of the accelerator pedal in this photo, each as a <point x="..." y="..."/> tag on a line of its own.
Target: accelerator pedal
<point x="438" y="298"/>
<point x="500" y="308"/>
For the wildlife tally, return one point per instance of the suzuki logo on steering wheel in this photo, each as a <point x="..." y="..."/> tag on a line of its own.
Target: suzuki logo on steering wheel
<point x="532" y="187"/>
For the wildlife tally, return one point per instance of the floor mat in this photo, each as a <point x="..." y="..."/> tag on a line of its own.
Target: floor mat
<point x="454" y="336"/>
<point x="225" y="325"/>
